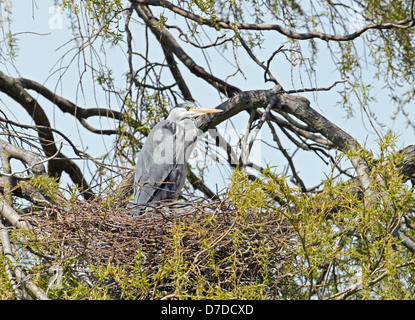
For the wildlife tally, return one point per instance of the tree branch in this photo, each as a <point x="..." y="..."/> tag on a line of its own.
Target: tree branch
<point x="21" y="277"/>
<point x="67" y="106"/>
<point x="12" y="216"/>
<point x="22" y="189"/>
<point x="300" y="108"/>
<point x="26" y="156"/>
<point x="197" y="183"/>
<point x="175" y="71"/>
<point x="168" y="41"/>
<point x="14" y="89"/>
<point x="226" y="24"/>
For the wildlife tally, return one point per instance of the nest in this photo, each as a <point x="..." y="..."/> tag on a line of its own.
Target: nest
<point x="95" y="233"/>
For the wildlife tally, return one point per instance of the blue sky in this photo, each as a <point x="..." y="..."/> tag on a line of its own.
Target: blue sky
<point x="40" y="48"/>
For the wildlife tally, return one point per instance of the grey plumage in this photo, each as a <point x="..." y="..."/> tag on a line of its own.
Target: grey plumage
<point x="161" y="166"/>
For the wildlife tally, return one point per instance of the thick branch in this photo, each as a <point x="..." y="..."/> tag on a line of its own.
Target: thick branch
<point x="15" y="90"/>
<point x="175" y="71"/>
<point x="7" y="212"/>
<point x="300" y="108"/>
<point x="17" y="270"/>
<point x="198" y="184"/>
<point x="28" y="157"/>
<point x="407" y="166"/>
<point x="22" y="189"/>
<point x="226" y="24"/>
<point x="405" y="240"/>
<point x="169" y="43"/>
<point x="67" y="106"/>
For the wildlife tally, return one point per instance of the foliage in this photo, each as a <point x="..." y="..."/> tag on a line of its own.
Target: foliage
<point x="267" y="240"/>
<point x="268" y="236"/>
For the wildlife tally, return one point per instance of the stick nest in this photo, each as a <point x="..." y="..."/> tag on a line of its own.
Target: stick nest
<point x="211" y="237"/>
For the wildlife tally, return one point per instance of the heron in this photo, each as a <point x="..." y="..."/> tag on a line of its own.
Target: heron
<point x="161" y="166"/>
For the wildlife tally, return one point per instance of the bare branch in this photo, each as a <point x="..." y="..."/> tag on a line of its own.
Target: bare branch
<point x="32" y="159"/>
<point x="255" y="59"/>
<point x="31" y="166"/>
<point x="12" y="216"/>
<point x="15" y="90"/>
<point x="67" y="106"/>
<point x="177" y="75"/>
<point x="21" y="188"/>
<point x="21" y="277"/>
<point x="197" y="183"/>
<point x="405" y="240"/>
<point x="226" y="24"/>
<point x="168" y="41"/>
<point x="300" y="108"/>
<point x="287" y="156"/>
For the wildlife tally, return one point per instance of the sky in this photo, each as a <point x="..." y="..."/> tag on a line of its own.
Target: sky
<point x="43" y="35"/>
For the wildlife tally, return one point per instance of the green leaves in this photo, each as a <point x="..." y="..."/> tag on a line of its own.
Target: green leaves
<point x="265" y="240"/>
<point x="337" y="230"/>
<point x="104" y="17"/>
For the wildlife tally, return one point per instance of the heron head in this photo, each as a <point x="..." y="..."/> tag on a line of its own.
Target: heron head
<point x="188" y="109"/>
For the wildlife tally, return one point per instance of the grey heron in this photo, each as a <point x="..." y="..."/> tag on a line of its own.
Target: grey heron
<point x="161" y="166"/>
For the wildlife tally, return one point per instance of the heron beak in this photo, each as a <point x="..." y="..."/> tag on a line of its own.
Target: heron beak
<point x="203" y="111"/>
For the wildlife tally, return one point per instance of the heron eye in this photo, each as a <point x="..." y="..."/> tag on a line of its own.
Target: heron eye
<point x="188" y="108"/>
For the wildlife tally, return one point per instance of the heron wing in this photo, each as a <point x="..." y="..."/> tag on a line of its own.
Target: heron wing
<point x="160" y="167"/>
